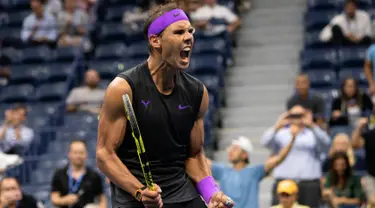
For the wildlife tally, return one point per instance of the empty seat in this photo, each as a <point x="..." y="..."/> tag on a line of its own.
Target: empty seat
<point x="116" y="13"/>
<point x="109" y="69"/>
<point x="321" y="4"/>
<point x="312" y="40"/>
<point x="210" y="46"/>
<point x="38" y="122"/>
<point x="67" y="53"/>
<point x="42" y="176"/>
<point x="112" y="32"/>
<point x="19" y="5"/>
<point x="36" y="54"/>
<point x="138" y="50"/>
<point x="322" y="78"/>
<point x="57" y="72"/>
<point x="43" y="108"/>
<point x="17" y="93"/>
<point x="207" y="64"/>
<point x="82" y="119"/>
<point x="352" y="57"/>
<point x="318" y="58"/>
<point x="111" y="51"/>
<point x="212" y="84"/>
<point x="60" y="147"/>
<point x="52" y="164"/>
<point x="25" y="74"/>
<point x="327" y="94"/>
<point x="16" y="18"/>
<point x="317" y="20"/>
<point x="52" y="92"/>
<point x="356" y="73"/>
<point x="67" y="133"/>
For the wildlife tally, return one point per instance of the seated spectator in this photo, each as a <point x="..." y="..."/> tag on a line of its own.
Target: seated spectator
<point x="137" y="15"/>
<point x="366" y="141"/>
<point x="303" y="164"/>
<point x="341" y="187"/>
<point x="15" y="137"/>
<point x="73" y="24"/>
<point x="87" y="98"/>
<point x="351" y="105"/>
<point x="211" y="11"/>
<point x="5" y="63"/>
<point x="369" y="69"/>
<point x="40" y="27"/>
<point x="11" y="195"/>
<point x="77" y="185"/>
<point x="287" y="192"/>
<point x="243" y="178"/>
<point x="54" y="7"/>
<point x="341" y="143"/>
<point x="307" y="99"/>
<point x="349" y="28"/>
<point x="86" y="5"/>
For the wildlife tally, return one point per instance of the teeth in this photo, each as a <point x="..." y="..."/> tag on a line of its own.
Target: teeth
<point x="186" y="49"/>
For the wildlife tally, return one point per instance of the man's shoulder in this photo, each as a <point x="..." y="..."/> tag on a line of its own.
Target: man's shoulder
<point x="30" y="17"/>
<point x="371" y="49"/>
<point x="362" y="14"/>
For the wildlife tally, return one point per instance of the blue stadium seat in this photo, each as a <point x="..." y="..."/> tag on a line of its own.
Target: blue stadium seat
<point x="38" y="122"/>
<point x="351" y="57"/>
<point x="58" y="72"/>
<point x="17" y="93"/>
<point x="16" y="18"/>
<point x="360" y="164"/>
<point x="207" y="64"/>
<point x="67" y="133"/>
<point x="109" y="69"/>
<point x="52" y="164"/>
<point x="210" y="46"/>
<point x="321" y="4"/>
<point x="82" y="119"/>
<point x="228" y="3"/>
<point x="116" y="13"/>
<point x="25" y="74"/>
<point x="138" y="50"/>
<point x="334" y="130"/>
<point x="36" y="54"/>
<point x="67" y="53"/>
<point x="42" y="176"/>
<point x="111" y="51"/>
<point x="103" y="84"/>
<point x="317" y="20"/>
<point x="318" y="58"/>
<point x="43" y="108"/>
<point x="322" y="78"/>
<point x="212" y="84"/>
<point x="327" y="94"/>
<point x="52" y="92"/>
<point x="19" y="5"/>
<point x="111" y="32"/>
<point x="60" y="147"/>
<point x="356" y="73"/>
<point x="11" y="36"/>
<point x="312" y="41"/>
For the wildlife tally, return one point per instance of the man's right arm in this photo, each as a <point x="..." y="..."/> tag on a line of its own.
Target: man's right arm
<point x="368" y="70"/>
<point x="112" y="127"/>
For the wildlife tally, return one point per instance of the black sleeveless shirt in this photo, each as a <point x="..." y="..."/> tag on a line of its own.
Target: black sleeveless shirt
<point x="165" y="122"/>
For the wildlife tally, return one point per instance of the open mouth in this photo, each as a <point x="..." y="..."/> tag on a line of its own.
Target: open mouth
<point x="185" y="54"/>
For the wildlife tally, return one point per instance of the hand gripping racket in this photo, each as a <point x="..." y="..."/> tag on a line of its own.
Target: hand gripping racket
<point x="136" y="133"/>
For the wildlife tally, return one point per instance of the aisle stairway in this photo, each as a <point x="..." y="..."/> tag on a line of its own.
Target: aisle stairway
<point x="266" y="64"/>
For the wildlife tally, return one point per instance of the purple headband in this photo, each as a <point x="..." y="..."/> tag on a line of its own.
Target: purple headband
<point x="168" y="18"/>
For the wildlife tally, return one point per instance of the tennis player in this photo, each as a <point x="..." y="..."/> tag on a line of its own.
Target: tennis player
<point x="170" y="106"/>
<point x="241" y="180"/>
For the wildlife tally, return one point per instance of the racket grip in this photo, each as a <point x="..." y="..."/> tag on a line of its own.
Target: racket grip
<point x="152" y="187"/>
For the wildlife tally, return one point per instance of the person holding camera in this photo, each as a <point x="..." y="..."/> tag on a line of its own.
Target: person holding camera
<point x="303" y="164"/>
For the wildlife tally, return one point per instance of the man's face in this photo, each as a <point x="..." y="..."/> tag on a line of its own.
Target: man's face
<point x="210" y="2"/>
<point x="236" y="154"/>
<point x="287" y="200"/>
<point x="18" y="116"/>
<point x="36" y="5"/>
<point x="302" y="85"/>
<point x="77" y="154"/>
<point x="10" y="190"/>
<point x="297" y="110"/>
<point x="69" y="4"/>
<point x="176" y="44"/>
<point x="350" y="9"/>
<point x="92" y="78"/>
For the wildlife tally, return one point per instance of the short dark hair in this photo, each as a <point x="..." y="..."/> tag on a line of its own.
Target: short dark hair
<point x="20" y="106"/>
<point x="77" y="140"/>
<point x="43" y="2"/>
<point x="154" y="14"/>
<point x="351" y="2"/>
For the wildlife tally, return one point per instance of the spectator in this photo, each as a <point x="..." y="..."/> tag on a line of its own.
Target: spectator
<point x="366" y="141"/>
<point x="369" y="69"/>
<point x="341" y="143"/>
<point x="287" y="192"/>
<point x="349" y="28"/>
<point x="211" y="12"/>
<point x="5" y="63"/>
<point x="39" y="27"/>
<point x="303" y="164"/>
<point x="11" y="195"/>
<point x="341" y="186"/>
<point x="73" y="24"/>
<point x="54" y="7"/>
<point x="245" y="179"/>
<point x="307" y="99"/>
<point x="350" y="106"/>
<point x="87" y="98"/>
<point x="76" y="185"/>
<point x="15" y="137"/>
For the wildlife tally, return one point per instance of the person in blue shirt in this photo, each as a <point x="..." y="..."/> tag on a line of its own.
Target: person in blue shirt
<point x="241" y="181"/>
<point x="369" y="69"/>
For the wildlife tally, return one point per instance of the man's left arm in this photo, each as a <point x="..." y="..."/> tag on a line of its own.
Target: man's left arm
<point x="323" y="139"/>
<point x="196" y="165"/>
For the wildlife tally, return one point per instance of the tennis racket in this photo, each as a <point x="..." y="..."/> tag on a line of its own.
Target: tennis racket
<point x="136" y="133"/>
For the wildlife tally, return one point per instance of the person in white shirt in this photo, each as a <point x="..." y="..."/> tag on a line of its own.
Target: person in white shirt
<point x="211" y="10"/>
<point x="351" y="27"/>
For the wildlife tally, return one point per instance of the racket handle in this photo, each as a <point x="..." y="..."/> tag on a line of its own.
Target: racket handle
<point x="151" y="187"/>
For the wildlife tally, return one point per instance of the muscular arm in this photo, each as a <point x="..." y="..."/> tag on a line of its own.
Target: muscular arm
<point x="368" y="72"/>
<point x="196" y="165"/>
<point x="112" y="127"/>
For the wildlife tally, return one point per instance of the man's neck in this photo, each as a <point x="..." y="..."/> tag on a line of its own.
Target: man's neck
<point x="39" y="14"/>
<point x="303" y="96"/>
<point x="239" y="165"/>
<point x="162" y="74"/>
<point x="78" y="168"/>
